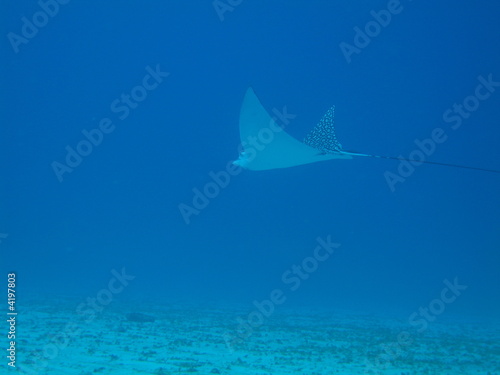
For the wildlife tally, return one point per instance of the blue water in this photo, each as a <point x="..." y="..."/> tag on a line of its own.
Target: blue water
<point x="64" y="232"/>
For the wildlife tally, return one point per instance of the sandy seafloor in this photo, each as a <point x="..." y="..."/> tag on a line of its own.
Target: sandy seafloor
<point x="195" y="339"/>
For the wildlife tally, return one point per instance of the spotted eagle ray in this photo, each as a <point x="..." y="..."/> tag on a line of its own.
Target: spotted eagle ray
<point x="265" y="145"/>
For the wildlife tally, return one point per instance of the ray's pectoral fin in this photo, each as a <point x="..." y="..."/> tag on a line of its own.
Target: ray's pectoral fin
<point x="266" y="145"/>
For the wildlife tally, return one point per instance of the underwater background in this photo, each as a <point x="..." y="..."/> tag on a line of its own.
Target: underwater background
<point x="69" y="224"/>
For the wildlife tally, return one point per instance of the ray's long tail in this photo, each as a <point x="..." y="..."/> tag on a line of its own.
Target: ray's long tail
<point x="323" y="138"/>
<point x="354" y="153"/>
